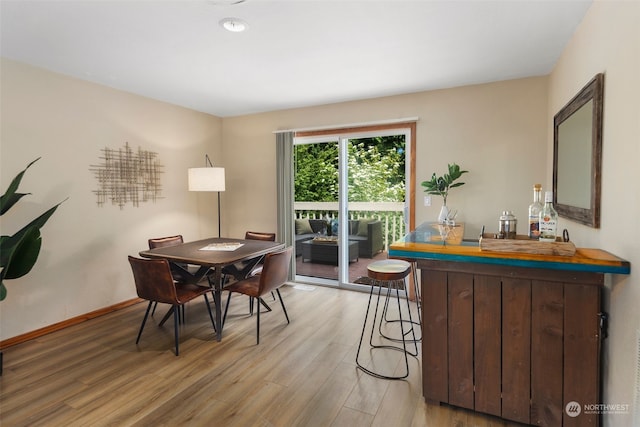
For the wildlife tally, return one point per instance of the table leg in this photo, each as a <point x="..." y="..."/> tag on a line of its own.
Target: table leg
<point x="217" y="298"/>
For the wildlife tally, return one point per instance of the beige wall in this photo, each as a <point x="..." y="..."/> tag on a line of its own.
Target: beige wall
<point x="496" y="131"/>
<point x="83" y="264"/>
<point x="608" y="41"/>
<point x="500" y="132"/>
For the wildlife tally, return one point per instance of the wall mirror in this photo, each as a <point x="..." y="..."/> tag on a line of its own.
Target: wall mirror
<point x="577" y="155"/>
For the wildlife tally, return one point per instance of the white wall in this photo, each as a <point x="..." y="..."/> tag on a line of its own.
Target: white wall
<point x="608" y="41"/>
<point x="83" y="263"/>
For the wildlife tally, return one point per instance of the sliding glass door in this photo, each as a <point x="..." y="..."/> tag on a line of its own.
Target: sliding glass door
<point x="350" y="193"/>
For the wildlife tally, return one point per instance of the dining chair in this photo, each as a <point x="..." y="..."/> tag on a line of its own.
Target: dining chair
<point x="161" y="242"/>
<point x="242" y="270"/>
<point x="179" y="271"/>
<point x="155" y="283"/>
<point x="275" y="273"/>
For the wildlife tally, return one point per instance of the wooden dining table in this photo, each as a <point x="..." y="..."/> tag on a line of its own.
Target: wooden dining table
<point x="211" y="256"/>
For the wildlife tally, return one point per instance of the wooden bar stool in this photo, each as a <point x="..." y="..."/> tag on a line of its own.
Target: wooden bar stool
<point x="390" y="274"/>
<point x="418" y="297"/>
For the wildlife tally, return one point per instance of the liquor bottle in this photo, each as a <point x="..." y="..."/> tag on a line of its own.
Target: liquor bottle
<point x="548" y="219"/>
<point x="534" y="212"/>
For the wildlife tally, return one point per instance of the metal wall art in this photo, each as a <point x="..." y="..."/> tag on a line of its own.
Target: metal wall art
<point x="127" y="176"/>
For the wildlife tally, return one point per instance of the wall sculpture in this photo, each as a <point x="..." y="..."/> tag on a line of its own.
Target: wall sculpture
<point x="127" y="176"/>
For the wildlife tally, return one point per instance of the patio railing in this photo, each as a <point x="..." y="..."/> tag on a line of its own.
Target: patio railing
<point x="390" y="213"/>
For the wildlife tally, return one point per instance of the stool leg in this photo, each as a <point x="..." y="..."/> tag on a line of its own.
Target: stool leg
<point x="396" y="285"/>
<point x="375" y="313"/>
<point x="418" y="291"/>
<point x="373" y="346"/>
<point x="364" y="325"/>
<point x="412" y="329"/>
<point x="404" y="342"/>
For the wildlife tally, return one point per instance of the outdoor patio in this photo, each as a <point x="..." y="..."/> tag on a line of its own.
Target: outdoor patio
<point x="328" y="271"/>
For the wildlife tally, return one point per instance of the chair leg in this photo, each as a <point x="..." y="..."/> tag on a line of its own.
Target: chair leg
<point x="155" y="304"/>
<point x="176" y="321"/>
<point x="144" y="320"/>
<point x="258" y="323"/>
<point x="264" y="304"/>
<point x="206" y="300"/>
<point x="282" y="304"/>
<point x="224" y="317"/>
<point x="166" y="317"/>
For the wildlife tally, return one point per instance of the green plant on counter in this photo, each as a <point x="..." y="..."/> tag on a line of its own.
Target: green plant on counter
<point x="18" y="253"/>
<point x="440" y="185"/>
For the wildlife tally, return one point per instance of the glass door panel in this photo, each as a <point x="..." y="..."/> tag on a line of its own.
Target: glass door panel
<point x="316" y="188"/>
<point x="360" y="178"/>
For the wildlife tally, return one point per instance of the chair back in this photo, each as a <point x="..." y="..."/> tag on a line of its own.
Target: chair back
<point x="153" y="280"/>
<point x="275" y="271"/>
<point x="161" y="242"/>
<point x="256" y="235"/>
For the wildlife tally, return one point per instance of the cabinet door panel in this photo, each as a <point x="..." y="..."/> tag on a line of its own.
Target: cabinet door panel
<point x="435" y="370"/>
<point x="487" y="343"/>
<point x="516" y="349"/>
<point x="461" y="339"/>
<point x="547" y="316"/>
<point x="581" y="351"/>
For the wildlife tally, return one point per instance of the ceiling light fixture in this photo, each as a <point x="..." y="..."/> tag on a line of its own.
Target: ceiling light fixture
<point x="234" y="25"/>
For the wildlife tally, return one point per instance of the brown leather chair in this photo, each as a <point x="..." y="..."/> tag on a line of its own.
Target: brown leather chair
<point x="155" y="283"/>
<point x="242" y="270"/>
<point x="176" y="270"/>
<point x="161" y="242"/>
<point x="274" y="274"/>
<point x="249" y="268"/>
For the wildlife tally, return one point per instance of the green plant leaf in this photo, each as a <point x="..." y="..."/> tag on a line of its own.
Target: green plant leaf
<point x="441" y="185"/>
<point x="19" y="253"/>
<point x="11" y="197"/>
<point x="23" y="253"/>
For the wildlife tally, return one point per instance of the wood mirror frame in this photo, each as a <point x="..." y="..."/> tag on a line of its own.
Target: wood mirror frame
<point x="577" y="155"/>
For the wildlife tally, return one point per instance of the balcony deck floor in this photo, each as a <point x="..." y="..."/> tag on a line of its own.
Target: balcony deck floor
<point x="327" y="271"/>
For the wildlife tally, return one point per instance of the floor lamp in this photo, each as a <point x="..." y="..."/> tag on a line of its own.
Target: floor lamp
<point x="207" y="179"/>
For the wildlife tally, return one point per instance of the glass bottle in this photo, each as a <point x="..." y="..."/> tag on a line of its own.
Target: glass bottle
<point x="548" y="219"/>
<point x="534" y="212"/>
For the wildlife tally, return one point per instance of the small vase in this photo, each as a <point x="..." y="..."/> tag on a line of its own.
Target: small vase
<point x="444" y="214"/>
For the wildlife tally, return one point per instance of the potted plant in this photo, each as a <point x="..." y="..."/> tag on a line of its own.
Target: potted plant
<point x="440" y="186"/>
<point x="19" y="252"/>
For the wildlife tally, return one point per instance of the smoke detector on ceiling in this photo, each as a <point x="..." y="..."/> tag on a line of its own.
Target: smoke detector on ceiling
<point x="235" y="25"/>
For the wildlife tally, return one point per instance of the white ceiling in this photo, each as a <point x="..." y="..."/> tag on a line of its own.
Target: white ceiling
<point x="295" y="53"/>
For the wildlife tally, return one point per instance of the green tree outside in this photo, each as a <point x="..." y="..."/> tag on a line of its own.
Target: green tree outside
<point x="376" y="170"/>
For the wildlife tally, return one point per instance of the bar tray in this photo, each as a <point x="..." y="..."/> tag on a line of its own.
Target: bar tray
<point x="523" y="244"/>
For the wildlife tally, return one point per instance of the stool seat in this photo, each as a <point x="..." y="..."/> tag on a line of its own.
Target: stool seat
<point x="389" y="269"/>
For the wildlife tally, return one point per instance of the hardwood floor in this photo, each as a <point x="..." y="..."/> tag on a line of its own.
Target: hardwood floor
<point x="301" y="374"/>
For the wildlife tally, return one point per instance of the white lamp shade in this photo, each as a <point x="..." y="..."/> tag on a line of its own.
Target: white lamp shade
<point x="206" y="179"/>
